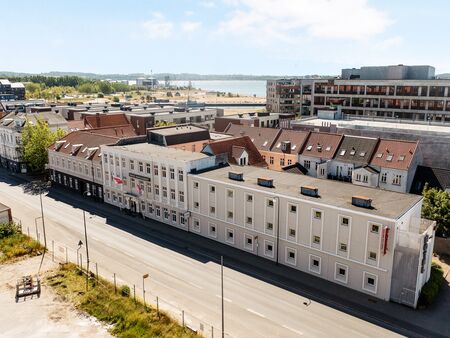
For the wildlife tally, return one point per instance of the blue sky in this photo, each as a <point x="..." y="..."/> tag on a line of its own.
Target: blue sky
<point x="276" y="37"/>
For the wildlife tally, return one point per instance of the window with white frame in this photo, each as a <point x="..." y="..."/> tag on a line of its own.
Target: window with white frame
<point x="131" y="165"/>
<point x="181" y="196"/>
<point x="372" y="256"/>
<point x="230" y="215"/>
<point x="317" y="214"/>
<point x="150" y="208"/>
<point x="212" y="188"/>
<point x="383" y="177"/>
<point x="155" y="170"/>
<point x="212" y="230"/>
<point x="268" y="249"/>
<point x="230" y="193"/>
<point x="196" y="205"/>
<point x="166" y="213"/>
<point x="141" y="167"/>
<point x="182" y="219"/>
<point x="172" y="194"/>
<point x="341" y="272"/>
<point x="196" y="225"/>
<point x="249" y="220"/>
<point x="316" y="239"/>
<point x="249" y="198"/>
<point x="344" y="221"/>
<point x="343" y="247"/>
<point x="248" y="242"/>
<point x="270" y="203"/>
<point x="292" y="233"/>
<point x="370" y="282"/>
<point x="374" y="228"/>
<point x="158" y="211"/>
<point x="315" y="264"/>
<point x="269" y="226"/>
<point x="230" y="236"/>
<point x="157" y="189"/>
<point x="163" y="171"/>
<point x="180" y="175"/>
<point x="292" y="208"/>
<point x="174" y="216"/>
<point x="148" y="168"/>
<point x="397" y="180"/>
<point x="291" y="256"/>
<point x="195" y="185"/>
<point x="212" y="210"/>
<point x="172" y="173"/>
<point x="307" y="164"/>
<point x="164" y="192"/>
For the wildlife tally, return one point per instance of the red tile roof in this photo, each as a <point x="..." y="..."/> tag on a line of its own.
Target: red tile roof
<point x="106" y="120"/>
<point x="82" y="144"/>
<point x="263" y="138"/>
<point x="74" y="125"/>
<point x="395" y="154"/>
<point x="323" y="145"/>
<point x="296" y="137"/>
<point x="235" y="146"/>
<point x="116" y="131"/>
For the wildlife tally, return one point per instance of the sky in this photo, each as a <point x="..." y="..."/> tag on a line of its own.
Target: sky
<point x="260" y="37"/>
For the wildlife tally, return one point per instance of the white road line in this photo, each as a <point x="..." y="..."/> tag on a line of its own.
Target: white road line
<point x="225" y="299"/>
<point x="197" y="286"/>
<point x="95" y="238"/>
<point x="256" y="313"/>
<point x="129" y="255"/>
<point x="300" y="333"/>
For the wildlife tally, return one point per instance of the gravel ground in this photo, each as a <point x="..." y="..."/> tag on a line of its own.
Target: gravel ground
<point x="48" y="316"/>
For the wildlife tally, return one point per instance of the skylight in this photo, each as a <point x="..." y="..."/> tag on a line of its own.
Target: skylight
<point x="342" y="153"/>
<point x="309" y="148"/>
<point x="352" y="152"/>
<point x="389" y="158"/>
<point x="379" y="155"/>
<point x="328" y="148"/>
<point x="279" y="145"/>
<point x="293" y="147"/>
<point x="362" y="153"/>
<point x="401" y="158"/>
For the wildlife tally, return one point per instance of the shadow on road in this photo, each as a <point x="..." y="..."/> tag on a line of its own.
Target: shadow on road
<point x="392" y="316"/>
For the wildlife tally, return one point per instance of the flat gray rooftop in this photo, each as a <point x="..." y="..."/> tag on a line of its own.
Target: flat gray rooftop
<point x="163" y="152"/>
<point x="176" y="130"/>
<point x="385" y="203"/>
<point x="358" y="124"/>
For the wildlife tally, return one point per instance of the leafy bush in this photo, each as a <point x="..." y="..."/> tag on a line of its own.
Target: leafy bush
<point x="8" y="229"/>
<point x="431" y="288"/>
<point x="125" y="290"/>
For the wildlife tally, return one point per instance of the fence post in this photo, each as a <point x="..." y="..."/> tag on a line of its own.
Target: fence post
<point x="28" y="230"/>
<point x="115" y="286"/>
<point x="157" y="305"/>
<point x="134" y="294"/>
<point x="67" y="256"/>
<point x="53" y="250"/>
<point x="212" y="331"/>
<point x="96" y="271"/>
<point x="81" y="262"/>
<point x="182" y="317"/>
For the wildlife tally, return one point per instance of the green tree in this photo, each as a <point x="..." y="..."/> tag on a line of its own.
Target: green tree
<point x="436" y="206"/>
<point x="36" y="138"/>
<point x="116" y="99"/>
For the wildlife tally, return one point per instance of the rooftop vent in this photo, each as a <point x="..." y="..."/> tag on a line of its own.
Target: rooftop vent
<point x="265" y="182"/>
<point x="309" y="190"/>
<point x="236" y="176"/>
<point x="362" y="201"/>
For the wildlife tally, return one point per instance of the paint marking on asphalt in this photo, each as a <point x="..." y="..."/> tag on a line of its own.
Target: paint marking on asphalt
<point x="95" y="238"/>
<point x="255" y="313"/>
<point x="128" y="254"/>
<point x="225" y="299"/>
<point x="197" y="286"/>
<point x="300" y="333"/>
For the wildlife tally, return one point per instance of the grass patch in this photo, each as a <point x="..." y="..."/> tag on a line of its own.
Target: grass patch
<point x="129" y="320"/>
<point x="431" y="288"/>
<point x="14" y="244"/>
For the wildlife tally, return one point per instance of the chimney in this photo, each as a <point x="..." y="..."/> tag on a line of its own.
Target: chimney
<point x="362" y="201"/>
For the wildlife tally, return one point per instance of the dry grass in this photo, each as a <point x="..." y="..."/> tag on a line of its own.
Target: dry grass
<point x="14" y="244"/>
<point x="128" y="319"/>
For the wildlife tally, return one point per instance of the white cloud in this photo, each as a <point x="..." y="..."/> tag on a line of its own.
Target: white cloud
<point x="208" y="4"/>
<point x="190" y="26"/>
<point x="189" y="13"/>
<point x="158" y="27"/>
<point x="265" y="21"/>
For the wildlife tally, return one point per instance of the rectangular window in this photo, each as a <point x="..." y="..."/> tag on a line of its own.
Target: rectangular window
<point x="148" y="169"/>
<point x="344" y="221"/>
<point x="172" y="173"/>
<point x="196" y="225"/>
<point x="230" y="193"/>
<point x="164" y="192"/>
<point x="370" y="282"/>
<point x="123" y="163"/>
<point x="212" y="230"/>
<point x="150" y="208"/>
<point x="315" y="264"/>
<point x="292" y="232"/>
<point x="375" y="228"/>
<point x="166" y="213"/>
<point x="180" y="175"/>
<point x="196" y="205"/>
<point x="181" y="196"/>
<point x="293" y="208"/>
<point x="131" y="165"/>
<point x="397" y="180"/>
<point x="155" y="170"/>
<point x="164" y="171"/>
<point x="268" y="248"/>
<point x="212" y="210"/>
<point x="174" y="216"/>
<point x="343" y="247"/>
<point x="230" y="214"/>
<point x="158" y="211"/>
<point x="271" y="159"/>
<point x="341" y="273"/>
<point x="141" y="167"/>
<point x="291" y="256"/>
<point x="307" y="164"/>
<point x="249" y="198"/>
<point x="172" y="194"/>
<point x="230" y="236"/>
<point x="212" y="188"/>
<point x="182" y="219"/>
<point x="317" y="214"/>
<point x="195" y="185"/>
<point x="156" y="189"/>
<point x="248" y="242"/>
<point x="249" y="220"/>
<point x="282" y="161"/>
<point x="316" y="239"/>
<point x="383" y="177"/>
<point x="270" y="203"/>
<point x="373" y="255"/>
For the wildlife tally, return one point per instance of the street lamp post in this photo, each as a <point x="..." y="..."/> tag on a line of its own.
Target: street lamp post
<point x="143" y="287"/>
<point x="221" y="288"/>
<point x="80" y="244"/>
<point x="43" y="229"/>
<point x="86" y="193"/>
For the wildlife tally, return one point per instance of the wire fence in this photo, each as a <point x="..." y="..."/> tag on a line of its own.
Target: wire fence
<point x="60" y="252"/>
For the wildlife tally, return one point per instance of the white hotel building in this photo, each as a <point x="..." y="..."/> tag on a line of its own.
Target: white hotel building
<point x="151" y="180"/>
<point x="384" y="250"/>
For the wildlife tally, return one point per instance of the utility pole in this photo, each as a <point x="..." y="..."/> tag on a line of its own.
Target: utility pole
<point x="43" y="229"/>
<point x="143" y="288"/>
<point x="221" y="286"/>
<point x="86" y="193"/>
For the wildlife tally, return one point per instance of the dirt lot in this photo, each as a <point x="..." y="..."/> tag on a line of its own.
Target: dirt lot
<point x="47" y="316"/>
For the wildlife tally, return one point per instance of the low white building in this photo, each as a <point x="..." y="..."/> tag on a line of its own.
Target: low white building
<point x="370" y="240"/>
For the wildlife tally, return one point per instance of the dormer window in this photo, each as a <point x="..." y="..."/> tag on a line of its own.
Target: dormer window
<point x="328" y="148"/>
<point x="309" y="148"/>
<point x="379" y="155"/>
<point x="389" y="158"/>
<point x="342" y="153"/>
<point x="362" y="153"/>
<point x="265" y="143"/>
<point x="401" y="158"/>
<point x="353" y="151"/>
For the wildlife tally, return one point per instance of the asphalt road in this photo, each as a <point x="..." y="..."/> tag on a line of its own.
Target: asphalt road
<point x="184" y="271"/>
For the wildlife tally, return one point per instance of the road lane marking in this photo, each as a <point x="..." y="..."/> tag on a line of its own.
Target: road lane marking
<point x="300" y="333"/>
<point x="95" y="238"/>
<point x="256" y="313"/>
<point x="128" y="254"/>
<point x="197" y="286"/>
<point x="225" y="299"/>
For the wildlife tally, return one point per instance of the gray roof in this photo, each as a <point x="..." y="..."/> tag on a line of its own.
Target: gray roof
<point x="385" y="203"/>
<point x="356" y="149"/>
<point x="163" y="152"/>
<point x="53" y="120"/>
